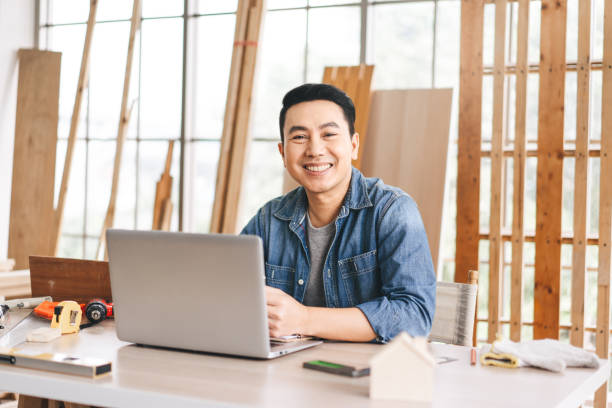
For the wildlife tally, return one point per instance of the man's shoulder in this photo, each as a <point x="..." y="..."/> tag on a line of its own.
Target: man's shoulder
<point x="381" y="194"/>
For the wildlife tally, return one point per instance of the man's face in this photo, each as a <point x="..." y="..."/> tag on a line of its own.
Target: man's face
<point x="318" y="148"/>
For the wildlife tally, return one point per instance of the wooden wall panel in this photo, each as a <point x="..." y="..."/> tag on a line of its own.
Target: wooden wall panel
<point x="550" y="169"/>
<point x="468" y="154"/>
<point x="581" y="173"/>
<point x="519" y="155"/>
<point x="605" y="207"/>
<point x="400" y="120"/>
<point x="32" y="215"/>
<point x="497" y="173"/>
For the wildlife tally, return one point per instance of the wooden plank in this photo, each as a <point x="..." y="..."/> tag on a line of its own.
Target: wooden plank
<point x="223" y="167"/>
<point x="241" y="135"/>
<point x="581" y="173"/>
<point x="605" y="207"/>
<point x="362" y="101"/>
<point x="74" y="123"/>
<point x="400" y="120"/>
<point x="497" y="174"/>
<point x="15" y="284"/>
<point x="550" y="170"/>
<point x="124" y="118"/>
<point x="163" y="191"/>
<point x="468" y="153"/>
<point x="31" y="222"/>
<point x="519" y="155"/>
<point x="166" y="215"/>
<point x="70" y="279"/>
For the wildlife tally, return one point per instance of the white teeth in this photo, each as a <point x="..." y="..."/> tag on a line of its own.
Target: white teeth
<point x="318" y="168"/>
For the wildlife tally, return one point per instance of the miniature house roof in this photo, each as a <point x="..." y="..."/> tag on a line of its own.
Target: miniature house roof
<point x="403" y="341"/>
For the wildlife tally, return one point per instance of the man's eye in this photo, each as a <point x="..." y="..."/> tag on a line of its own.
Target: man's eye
<point x="330" y="134"/>
<point x="298" y="137"/>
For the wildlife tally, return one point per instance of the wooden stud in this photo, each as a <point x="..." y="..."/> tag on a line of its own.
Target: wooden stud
<point x="497" y="174"/>
<point x="468" y="154"/>
<point x="605" y="207"/>
<point x="223" y="166"/>
<point x="241" y="135"/>
<point x="74" y="124"/>
<point x="163" y="191"/>
<point x="519" y="155"/>
<point x="124" y="118"/>
<point x="31" y="223"/>
<point x="550" y="170"/>
<point x="581" y="173"/>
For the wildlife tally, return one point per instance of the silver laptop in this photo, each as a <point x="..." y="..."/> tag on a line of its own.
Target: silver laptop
<point x="202" y="292"/>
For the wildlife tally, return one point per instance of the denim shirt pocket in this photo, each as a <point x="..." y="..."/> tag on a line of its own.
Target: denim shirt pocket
<point x="359" y="277"/>
<point x="281" y="277"/>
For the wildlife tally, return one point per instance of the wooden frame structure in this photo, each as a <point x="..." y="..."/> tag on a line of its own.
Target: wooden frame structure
<point x="550" y="153"/>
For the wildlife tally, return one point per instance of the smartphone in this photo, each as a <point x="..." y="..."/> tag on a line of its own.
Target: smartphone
<point x="335" y="368"/>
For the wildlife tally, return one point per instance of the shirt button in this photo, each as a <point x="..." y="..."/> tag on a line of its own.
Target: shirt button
<point x="301" y="282"/>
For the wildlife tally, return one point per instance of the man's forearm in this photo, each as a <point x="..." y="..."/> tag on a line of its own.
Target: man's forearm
<point x="348" y="324"/>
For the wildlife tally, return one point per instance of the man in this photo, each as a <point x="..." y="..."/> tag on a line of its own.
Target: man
<point x="346" y="256"/>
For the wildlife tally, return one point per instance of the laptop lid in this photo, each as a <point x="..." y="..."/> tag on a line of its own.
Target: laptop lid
<point x="201" y="292"/>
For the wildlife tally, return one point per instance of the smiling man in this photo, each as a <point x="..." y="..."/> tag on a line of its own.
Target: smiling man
<point x="346" y="256"/>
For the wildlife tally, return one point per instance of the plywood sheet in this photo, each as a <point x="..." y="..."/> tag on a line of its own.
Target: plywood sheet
<point x="69" y="279"/>
<point x="32" y="213"/>
<point x="407" y="147"/>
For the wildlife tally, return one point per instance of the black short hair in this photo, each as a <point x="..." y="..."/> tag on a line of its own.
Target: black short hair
<point x="315" y="92"/>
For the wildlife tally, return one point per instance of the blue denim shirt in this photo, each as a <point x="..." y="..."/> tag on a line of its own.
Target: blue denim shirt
<point x="379" y="259"/>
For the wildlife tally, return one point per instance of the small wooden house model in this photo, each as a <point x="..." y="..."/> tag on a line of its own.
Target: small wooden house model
<point x="403" y="370"/>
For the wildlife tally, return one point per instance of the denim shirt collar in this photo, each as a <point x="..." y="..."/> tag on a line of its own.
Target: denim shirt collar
<point x="293" y="206"/>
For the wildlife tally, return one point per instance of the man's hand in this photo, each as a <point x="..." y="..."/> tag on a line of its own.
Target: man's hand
<point x="286" y="315"/>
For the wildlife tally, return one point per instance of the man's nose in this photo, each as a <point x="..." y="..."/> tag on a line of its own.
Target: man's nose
<point x="315" y="146"/>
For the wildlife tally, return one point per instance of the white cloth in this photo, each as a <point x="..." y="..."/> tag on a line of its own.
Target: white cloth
<point x="548" y="354"/>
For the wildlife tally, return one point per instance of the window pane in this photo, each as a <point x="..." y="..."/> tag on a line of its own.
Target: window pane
<point x="107" y="73"/>
<point x="333" y="39"/>
<point x="126" y="190"/>
<point x="71" y="247"/>
<point x="204" y="157"/>
<point x="68" y="11"/>
<point x="447" y="45"/>
<point x="69" y="41"/>
<point x="211" y="56"/>
<point x="99" y="179"/>
<point x="74" y="205"/>
<point x="281" y="67"/>
<point x="161" y="8"/>
<point x="215" y="6"/>
<point x="162" y="62"/>
<point x="276" y="4"/>
<point x="402" y="45"/>
<point x="113" y="10"/>
<point x="265" y="168"/>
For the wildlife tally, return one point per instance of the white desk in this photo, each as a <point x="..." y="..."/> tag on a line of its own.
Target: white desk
<point x="163" y="378"/>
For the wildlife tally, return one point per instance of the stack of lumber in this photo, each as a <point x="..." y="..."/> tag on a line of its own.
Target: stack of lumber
<point x="235" y="137"/>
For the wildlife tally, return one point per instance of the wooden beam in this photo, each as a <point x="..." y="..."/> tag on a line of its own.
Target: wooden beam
<point x="163" y="191"/>
<point x="497" y="174"/>
<point x="241" y="136"/>
<point x="223" y="167"/>
<point x="468" y="155"/>
<point x="581" y="173"/>
<point x="550" y="169"/>
<point x="605" y="207"/>
<point x="124" y="118"/>
<point x="74" y="124"/>
<point x="31" y="224"/>
<point x="518" y="179"/>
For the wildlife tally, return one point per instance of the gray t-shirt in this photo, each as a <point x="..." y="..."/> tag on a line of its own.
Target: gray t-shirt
<point x="319" y="240"/>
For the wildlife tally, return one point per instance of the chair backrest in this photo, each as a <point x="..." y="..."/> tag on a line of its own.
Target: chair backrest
<point x="455" y="310"/>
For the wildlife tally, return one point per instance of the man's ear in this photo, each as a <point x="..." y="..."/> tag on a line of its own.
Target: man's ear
<point x="281" y="150"/>
<point x="355" y="143"/>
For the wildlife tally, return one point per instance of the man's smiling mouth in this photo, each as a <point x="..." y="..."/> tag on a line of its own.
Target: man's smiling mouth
<point x="317" y="168"/>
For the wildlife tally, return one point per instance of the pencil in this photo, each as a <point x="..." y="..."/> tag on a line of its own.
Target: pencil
<point x="473" y="356"/>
